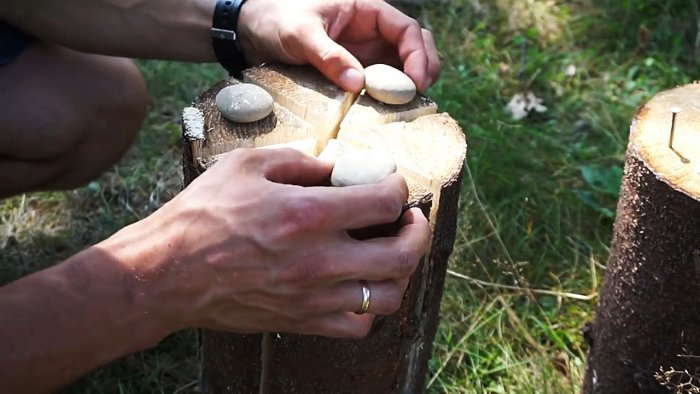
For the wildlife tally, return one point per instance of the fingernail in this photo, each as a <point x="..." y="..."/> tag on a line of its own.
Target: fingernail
<point x="352" y="80"/>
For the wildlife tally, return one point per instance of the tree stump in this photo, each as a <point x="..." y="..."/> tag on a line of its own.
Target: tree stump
<point x="313" y="115"/>
<point x="646" y="334"/>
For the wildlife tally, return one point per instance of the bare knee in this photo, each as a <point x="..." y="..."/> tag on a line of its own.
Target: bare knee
<point x="109" y="125"/>
<point x="71" y="123"/>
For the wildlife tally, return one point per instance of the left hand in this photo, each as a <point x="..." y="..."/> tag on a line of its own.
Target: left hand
<point x="338" y="37"/>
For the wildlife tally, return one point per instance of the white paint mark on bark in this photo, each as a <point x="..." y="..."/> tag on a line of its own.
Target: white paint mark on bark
<point x="193" y="120"/>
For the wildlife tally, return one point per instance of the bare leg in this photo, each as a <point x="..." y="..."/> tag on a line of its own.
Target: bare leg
<point x="65" y="117"/>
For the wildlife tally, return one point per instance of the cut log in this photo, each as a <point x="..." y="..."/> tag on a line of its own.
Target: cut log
<point x="645" y="337"/>
<point x="429" y="149"/>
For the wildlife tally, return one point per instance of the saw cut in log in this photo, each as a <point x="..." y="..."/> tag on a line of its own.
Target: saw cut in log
<point x="645" y="337"/>
<point x="429" y="150"/>
<point x="336" y="148"/>
<point x="367" y="111"/>
<point x="307" y="94"/>
<point x="412" y="145"/>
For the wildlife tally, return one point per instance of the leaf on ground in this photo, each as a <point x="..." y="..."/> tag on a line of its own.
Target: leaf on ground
<point x="589" y="199"/>
<point x="603" y="178"/>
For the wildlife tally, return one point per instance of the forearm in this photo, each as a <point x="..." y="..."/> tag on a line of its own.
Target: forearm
<point x="166" y="29"/>
<point x="60" y="323"/>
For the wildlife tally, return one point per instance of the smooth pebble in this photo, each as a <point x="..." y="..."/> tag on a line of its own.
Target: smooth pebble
<point x="389" y="85"/>
<point x="362" y="168"/>
<point x="244" y="102"/>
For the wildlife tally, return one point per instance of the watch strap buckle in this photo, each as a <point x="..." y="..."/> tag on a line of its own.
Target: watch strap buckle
<point x="223" y="34"/>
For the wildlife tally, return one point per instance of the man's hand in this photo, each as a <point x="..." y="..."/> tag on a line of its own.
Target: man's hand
<point x="250" y="246"/>
<point x="335" y="36"/>
<point x="256" y="247"/>
<point x="338" y="37"/>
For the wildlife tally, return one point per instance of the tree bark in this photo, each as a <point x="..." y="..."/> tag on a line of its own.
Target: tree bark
<point x="646" y="334"/>
<point x="429" y="149"/>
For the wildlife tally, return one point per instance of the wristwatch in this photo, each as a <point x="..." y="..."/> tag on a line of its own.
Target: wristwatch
<point x="224" y="35"/>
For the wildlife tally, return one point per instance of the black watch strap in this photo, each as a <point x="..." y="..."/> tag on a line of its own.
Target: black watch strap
<point x="225" y="37"/>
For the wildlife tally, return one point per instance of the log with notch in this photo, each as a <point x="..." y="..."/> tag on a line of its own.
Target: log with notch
<point x="313" y="115"/>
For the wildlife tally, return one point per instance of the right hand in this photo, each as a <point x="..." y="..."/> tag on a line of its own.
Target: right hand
<point x="255" y="246"/>
<point x="338" y="37"/>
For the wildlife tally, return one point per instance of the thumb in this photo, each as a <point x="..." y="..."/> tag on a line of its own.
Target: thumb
<point x="292" y="167"/>
<point x="331" y="59"/>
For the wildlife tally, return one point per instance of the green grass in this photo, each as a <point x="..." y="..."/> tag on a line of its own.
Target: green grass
<point x="538" y="197"/>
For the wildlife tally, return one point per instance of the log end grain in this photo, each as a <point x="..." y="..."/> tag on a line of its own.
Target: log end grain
<point x="650" y="135"/>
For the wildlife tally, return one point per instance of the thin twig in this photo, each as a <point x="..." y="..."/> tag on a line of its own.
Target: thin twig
<point x="490" y="222"/>
<point x="475" y="325"/>
<point x="555" y="293"/>
<point x="687" y="356"/>
<point x="518" y="325"/>
<point x="185" y="387"/>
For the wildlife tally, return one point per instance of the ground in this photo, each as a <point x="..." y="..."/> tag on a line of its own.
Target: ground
<point x="538" y="197"/>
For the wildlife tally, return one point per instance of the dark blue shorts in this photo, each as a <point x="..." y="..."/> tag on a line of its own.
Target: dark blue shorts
<point x="12" y="43"/>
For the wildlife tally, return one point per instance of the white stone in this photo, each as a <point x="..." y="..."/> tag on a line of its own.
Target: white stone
<point x="389" y="85"/>
<point x="362" y="168"/>
<point x="331" y="151"/>
<point x="244" y="102"/>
